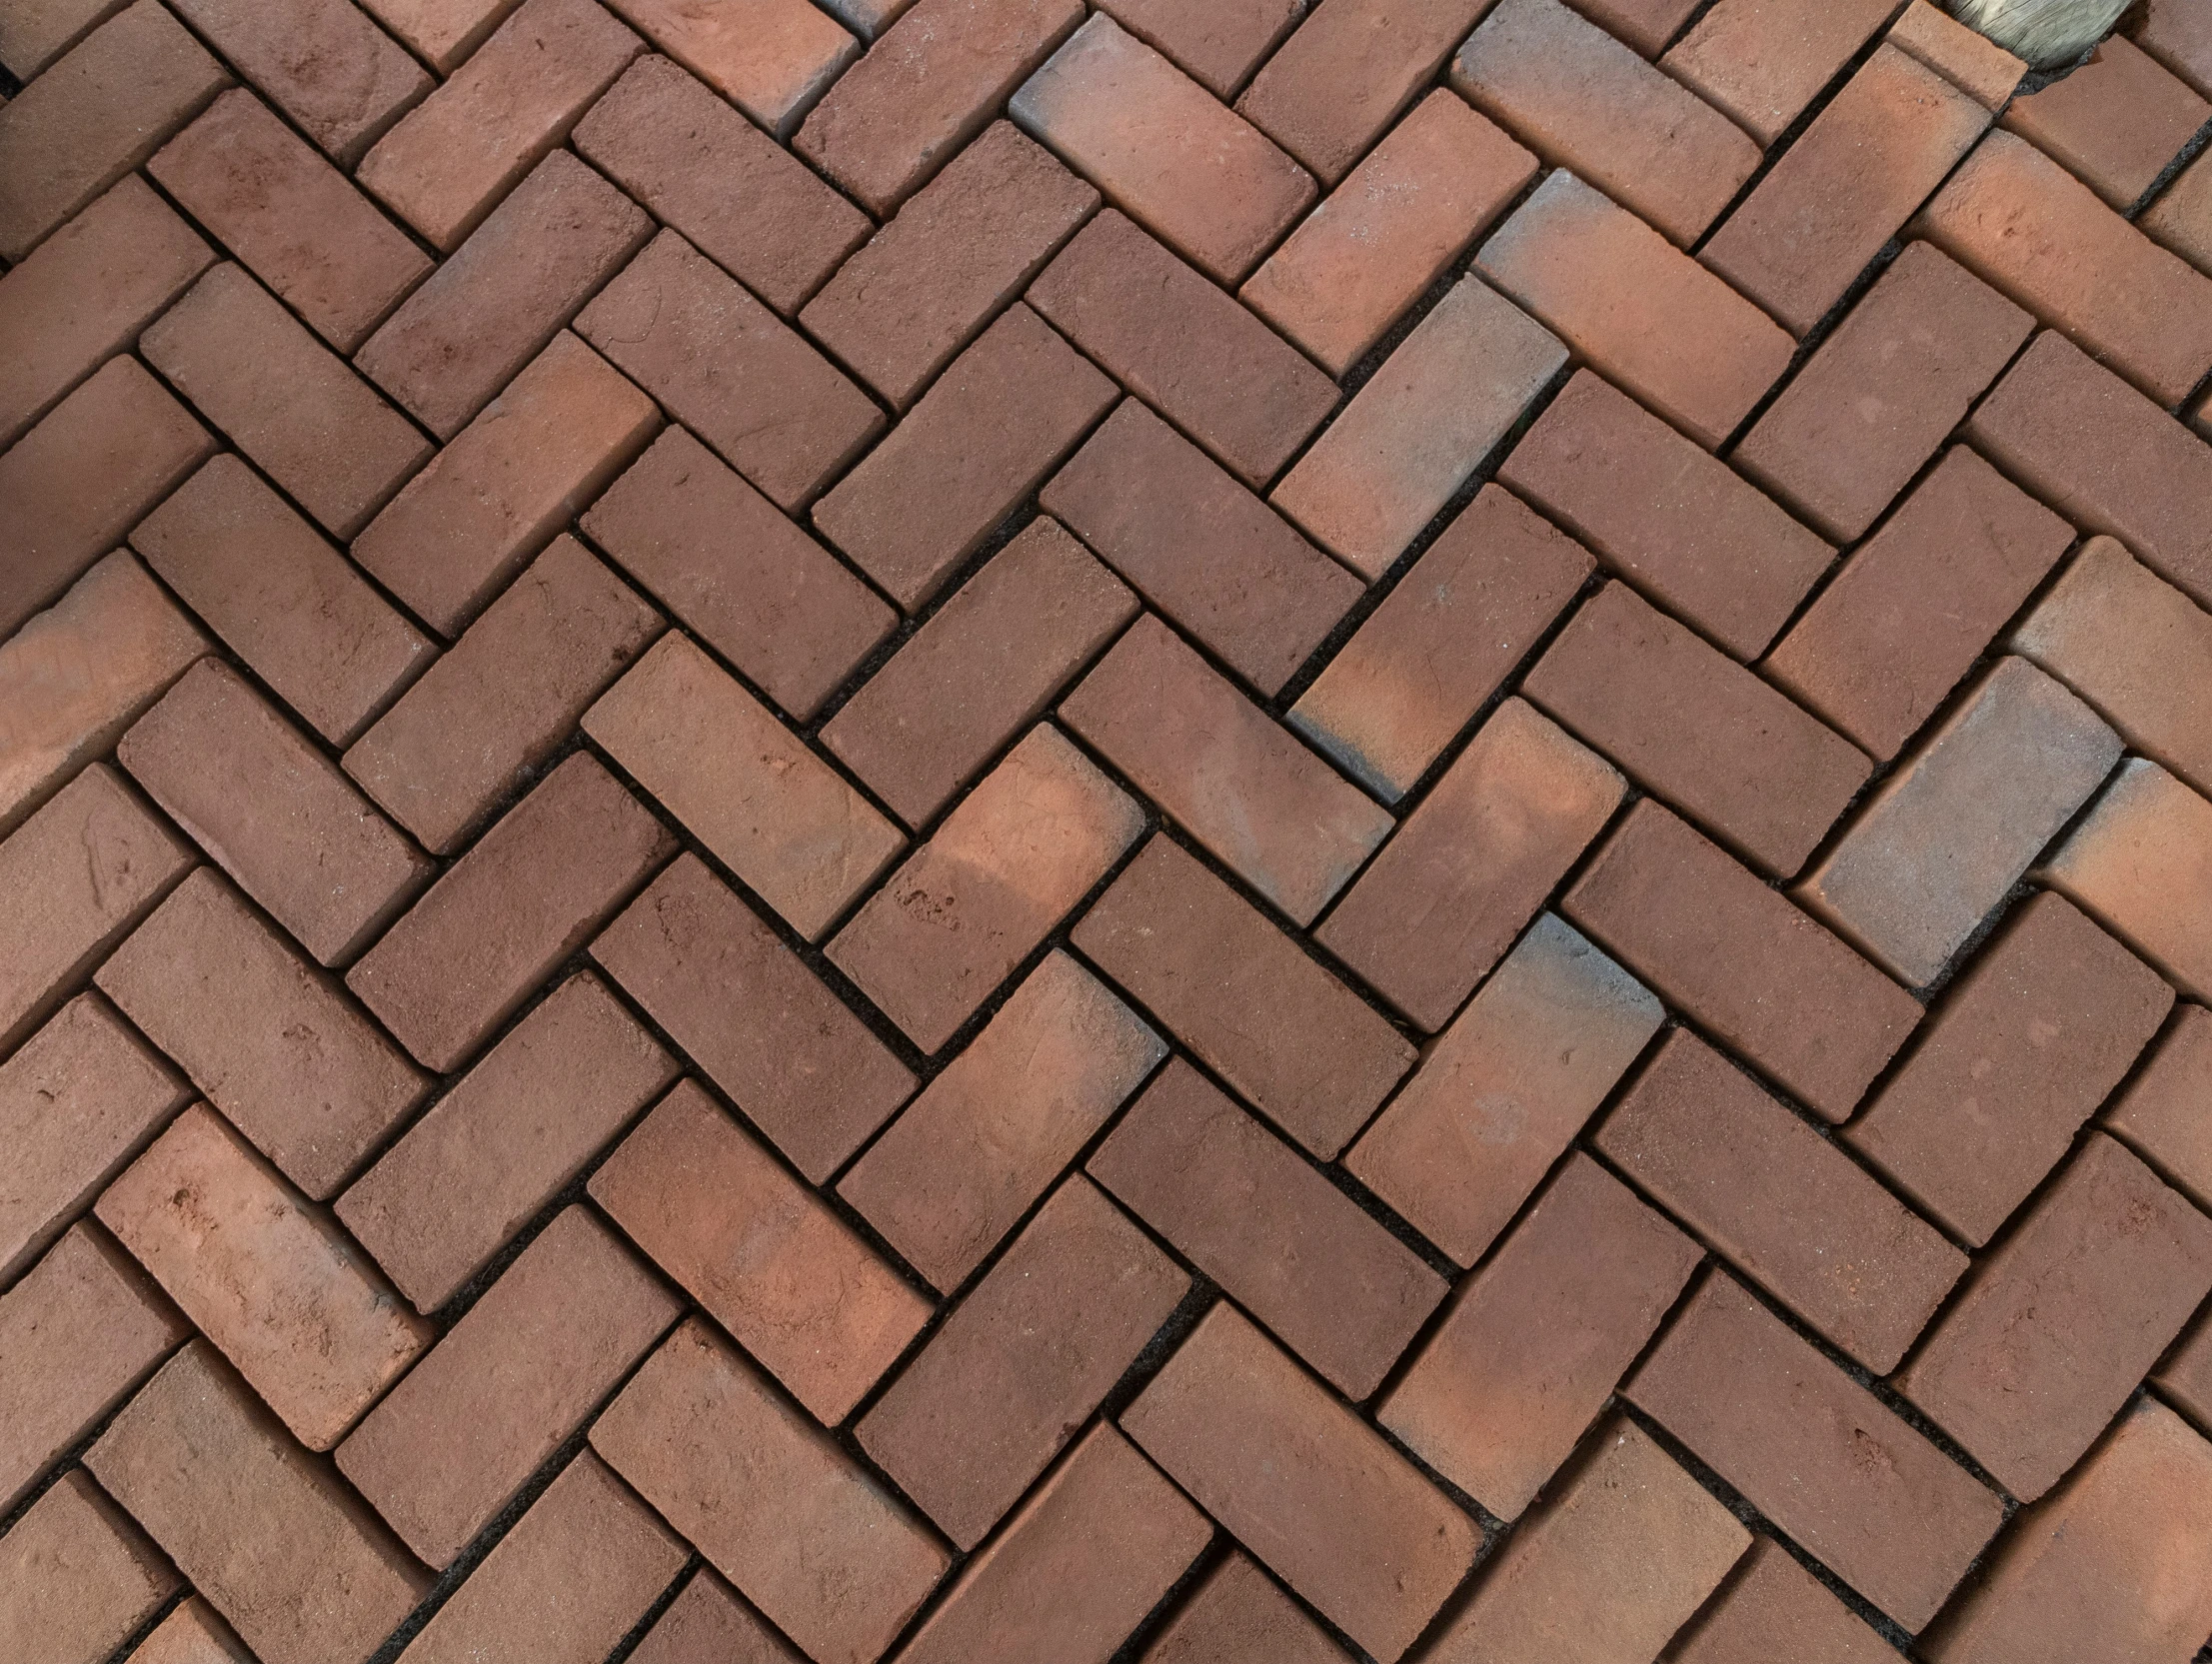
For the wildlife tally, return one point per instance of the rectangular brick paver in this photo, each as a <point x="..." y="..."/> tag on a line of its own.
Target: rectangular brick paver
<point x="706" y="1622"/>
<point x="2159" y="1114"/>
<point x="339" y="77"/>
<point x="1220" y="45"/>
<point x="1970" y="61"/>
<point x="1773" y="1607"/>
<point x="771" y="57"/>
<point x="1237" y="1616"/>
<point x="192" y="1634"/>
<point x="2078" y="121"/>
<point x="77" y="1577"/>
<point x="1763" y="64"/>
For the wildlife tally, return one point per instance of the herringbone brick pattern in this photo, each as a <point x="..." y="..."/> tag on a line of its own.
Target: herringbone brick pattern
<point x="1009" y="832"/>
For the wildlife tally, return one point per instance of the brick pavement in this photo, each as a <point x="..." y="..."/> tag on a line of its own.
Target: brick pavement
<point x="1154" y="831"/>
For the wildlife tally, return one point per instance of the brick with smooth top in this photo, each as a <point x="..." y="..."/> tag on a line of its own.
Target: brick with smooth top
<point x="771" y="57"/>
<point x="1763" y="64"/>
<point x="2114" y="123"/>
<point x="2162" y="1113"/>
<point x="1237" y="1616"/>
<point x="39" y="31"/>
<point x="1218" y="45"/>
<point x="1966" y="58"/>
<point x="77" y="1577"/>
<point x="443" y="32"/>
<point x="192" y="1634"/>
<point x="1771" y="1607"/>
<point x="708" y="1624"/>
<point x="2181" y="217"/>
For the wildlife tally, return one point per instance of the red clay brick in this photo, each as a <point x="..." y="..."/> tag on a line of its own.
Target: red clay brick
<point x="1278" y="1237"/>
<point x="512" y="1133"/>
<point x="2026" y="1045"/>
<point x="1199" y="547"/>
<point x="36" y="32"/>
<point x="192" y="1634"/>
<point x="293" y="220"/>
<point x="1504" y="1092"/>
<point x="496" y="303"/>
<point x="706" y="1624"/>
<point x="899" y="310"/>
<point x="444" y="32"/>
<point x="2162" y="1113"/>
<point x="1773" y="1608"/>
<point x="2113" y="1562"/>
<point x="1419" y="426"/>
<point x="339" y="77"/>
<point x="2114" y="123"/>
<point x="2177" y="33"/>
<point x="1970" y="61"/>
<point x="269" y="1281"/>
<point x="1295" y="1041"/>
<point x="1458" y="624"/>
<point x="450" y="161"/>
<point x="76" y="675"/>
<point x="867" y="18"/>
<point x="74" y="879"/>
<point x="1218" y="45"/>
<point x="94" y="115"/>
<point x="1636" y="308"/>
<point x="771" y="57"/>
<point x="1763" y="62"/>
<point x="997" y="422"/>
<point x="1185" y="737"/>
<point x="956" y="1171"/>
<point x="1647" y="25"/>
<point x="1825" y="209"/>
<point x="1737" y="958"/>
<point x="73" y="485"/>
<point x="1533" y="1343"/>
<point x="2056" y="1326"/>
<point x="85" y="293"/>
<point x="514" y="478"/>
<point x="927" y="87"/>
<point x="78" y="1334"/>
<point x="2029" y="228"/>
<point x="1236" y="1616"/>
<point x="1179" y="343"/>
<point x="1470" y="867"/>
<point x="1021" y="1363"/>
<point x="1584" y="101"/>
<point x="1608" y="1567"/>
<point x="506" y="695"/>
<point x="1352" y="267"/>
<point x="2181" y="217"/>
<point x="1695" y="726"/>
<point x="758" y="1024"/>
<point x="998" y="876"/>
<point x="290" y="606"/>
<point x="1310" y="1490"/>
<point x="1815" y="1452"/>
<point x="526" y="896"/>
<point x="1885" y="388"/>
<point x="736" y="573"/>
<point x="978" y="670"/>
<point x="295" y="1562"/>
<point x="2186" y="1375"/>
<point x="771" y="1502"/>
<point x="742" y="200"/>
<point x="450" y="1446"/>
<point x="1164" y="150"/>
<point x="1936" y="848"/>
<point x="76" y="1577"/>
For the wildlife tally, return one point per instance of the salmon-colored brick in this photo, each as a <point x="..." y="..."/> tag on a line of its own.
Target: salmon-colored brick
<point x="1220" y="44"/>
<point x="1504" y="1092"/>
<point x="998" y="876"/>
<point x="76" y="675"/>
<point x="1214" y="762"/>
<point x="2057" y="1326"/>
<point x="771" y="57"/>
<point x="498" y="301"/>
<point x="771" y="1502"/>
<point x="2181" y="217"/>
<point x="1458" y="624"/>
<point x="786" y="1050"/>
<point x="1358" y="261"/>
<point x="192" y="1634"/>
<point x="1753" y="969"/>
<point x="978" y="670"/>
<point x="94" y="115"/>
<point x="74" y="879"/>
<point x="2176" y="34"/>
<point x="1312" y="1491"/>
<point x="1771" y="1607"/>
<point x="1276" y="1236"/>
<point x="1582" y="100"/>
<point x="526" y="896"/>
<point x="37" y="31"/>
<point x="742" y="200"/>
<point x="339" y="77"/>
<point x="1295" y="1041"/>
<point x="994" y="424"/>
<point x="515" y="476"/>
<point x="1808" y="228"/>
<point x="77" y="1578"/>
<point x="291" y="218"/>
<point x="1763" y="62"/>
<point x="448" y="1448"/>
<point x="503" y="696"/>
<point x="277" y="1544"/>
<point x="708" y="1624"/>
<point x="1819" y="1455"/>
<point x="736" y="573"/>
<point x="1199" y="547"/>
<point x="1470" y="867"/>
<point x="1419" y="426"/>
<point x="928" y="84"/>
<point x="512" y="1134"/>
<point x="295" y="611"/>
<point x="1163" y="149"/>
<point x="957" y="1170"/>
<point x="1636" y="308"/>
<point x="2186" y="1375"/>
<point x="1022" y="1363"/>
<point x="2162" y="1113"/>
<point x="2025" y="224"/>
<point x="1237" y="1616"/>
<point x="451" y="159"/>
<point x="1186" y="349"/>
<point x="1969" y="60"/>
<point x="1935" y="849"/>
<point x="2114" y="123"/>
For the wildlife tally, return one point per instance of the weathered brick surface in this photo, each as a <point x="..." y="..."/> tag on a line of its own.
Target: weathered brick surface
<point x="192" y="1634"/>
<point x="2160" y="1113"/>
<point x="1762" y="63"/>
<point x="2178" y="218"/>
<point x="39" y="31"/>
<point x="444" y="32"/>
<point x="2114" y="123"/>
<point x="1236" y="1616"/>
<point x="76" y="1577"/>
<point x="339" y="77"/>
<point x="771" y="57"/>
<point x="1771" y="1607"/>
<point x="706" y="1624"/>
<point x="1971" y="62"/>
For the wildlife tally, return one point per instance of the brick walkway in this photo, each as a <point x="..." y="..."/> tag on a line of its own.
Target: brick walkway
<point x="985" y="831"/>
